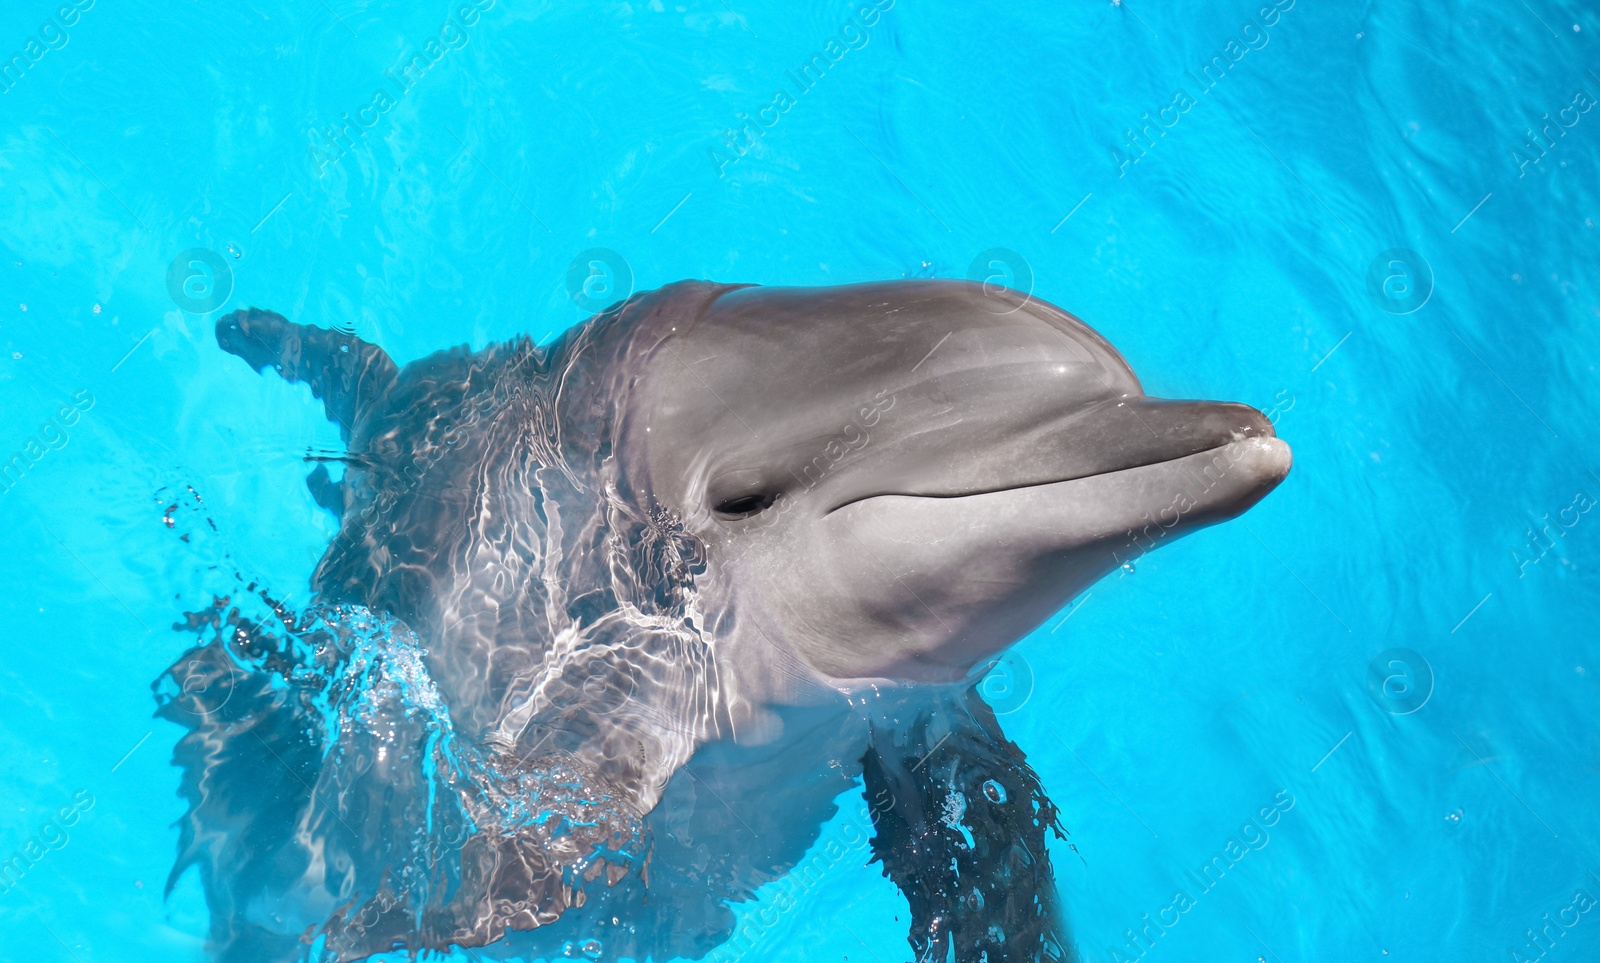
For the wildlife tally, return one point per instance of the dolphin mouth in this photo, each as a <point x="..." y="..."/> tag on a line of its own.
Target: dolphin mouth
<point x="1209" y="429"/>
<point x="974" y="571"/>
<point x="1274" y="445"/>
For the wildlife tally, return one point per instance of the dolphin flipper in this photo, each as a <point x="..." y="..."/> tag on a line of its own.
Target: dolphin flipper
<point x="325" y="491"/>
<point x="961" y="821"/>
<point x="345" y="373"/>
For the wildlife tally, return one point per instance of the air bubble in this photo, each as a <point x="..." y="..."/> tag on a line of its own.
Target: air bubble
<point x="234" y="250"/>
<point x="593" y="949"/>
<point x="994" y="792"/>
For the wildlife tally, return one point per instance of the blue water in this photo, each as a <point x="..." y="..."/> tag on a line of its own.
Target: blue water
<point x="1227" y="255"/>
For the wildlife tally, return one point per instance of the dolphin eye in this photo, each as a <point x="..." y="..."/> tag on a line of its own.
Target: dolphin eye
<point x="743" y="506"/>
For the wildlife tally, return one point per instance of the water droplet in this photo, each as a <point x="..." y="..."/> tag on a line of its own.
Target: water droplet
<point x="1127" y="567"/>
<point x="234" y="250"/>
<point x="97" y="308"/>
<point x="592" y="949"/>
<point x="24" y="307"/>
<point x="1454" y="817"/>
<point x="16" y="355"/>
<point x="994" y="792"/>
<point x="344" y="347"/>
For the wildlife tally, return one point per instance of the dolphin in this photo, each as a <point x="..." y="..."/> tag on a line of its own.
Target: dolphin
<point x="610" y="624"/>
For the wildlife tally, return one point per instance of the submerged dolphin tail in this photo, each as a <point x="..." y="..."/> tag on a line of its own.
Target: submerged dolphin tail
<point x="961" y="821"/>
<point x="345" y="373"/>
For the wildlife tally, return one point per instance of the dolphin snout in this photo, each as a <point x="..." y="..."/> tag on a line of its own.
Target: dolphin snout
<point x="1134" y="432"/>
<point x="1238" y="419"/>
<point x="1124" y="433"/>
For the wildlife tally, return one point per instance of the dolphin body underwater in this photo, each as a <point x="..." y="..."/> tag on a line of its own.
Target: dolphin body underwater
<point x="609" y="624"/>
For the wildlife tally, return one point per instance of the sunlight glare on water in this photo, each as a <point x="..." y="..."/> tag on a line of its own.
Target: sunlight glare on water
<point x="1356" y="723"/>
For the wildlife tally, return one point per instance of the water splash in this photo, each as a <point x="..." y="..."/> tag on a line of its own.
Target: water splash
<point x="402" y="826"/>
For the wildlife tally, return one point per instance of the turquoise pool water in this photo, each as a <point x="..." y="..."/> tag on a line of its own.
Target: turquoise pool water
<point x="1374" y="221"/>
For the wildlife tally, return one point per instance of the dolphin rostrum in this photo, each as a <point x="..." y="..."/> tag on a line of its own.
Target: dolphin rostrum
<point x="609" y="624"/>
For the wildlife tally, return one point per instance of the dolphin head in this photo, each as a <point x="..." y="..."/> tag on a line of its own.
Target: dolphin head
<point x="896" y="481"/>
<point x="773" y="494"/>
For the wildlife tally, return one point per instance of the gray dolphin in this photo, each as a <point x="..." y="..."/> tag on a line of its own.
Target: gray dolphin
<point x="609" y="624"/>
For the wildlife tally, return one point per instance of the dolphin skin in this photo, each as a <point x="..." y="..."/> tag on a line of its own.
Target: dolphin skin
<point x="609" y="624"/>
